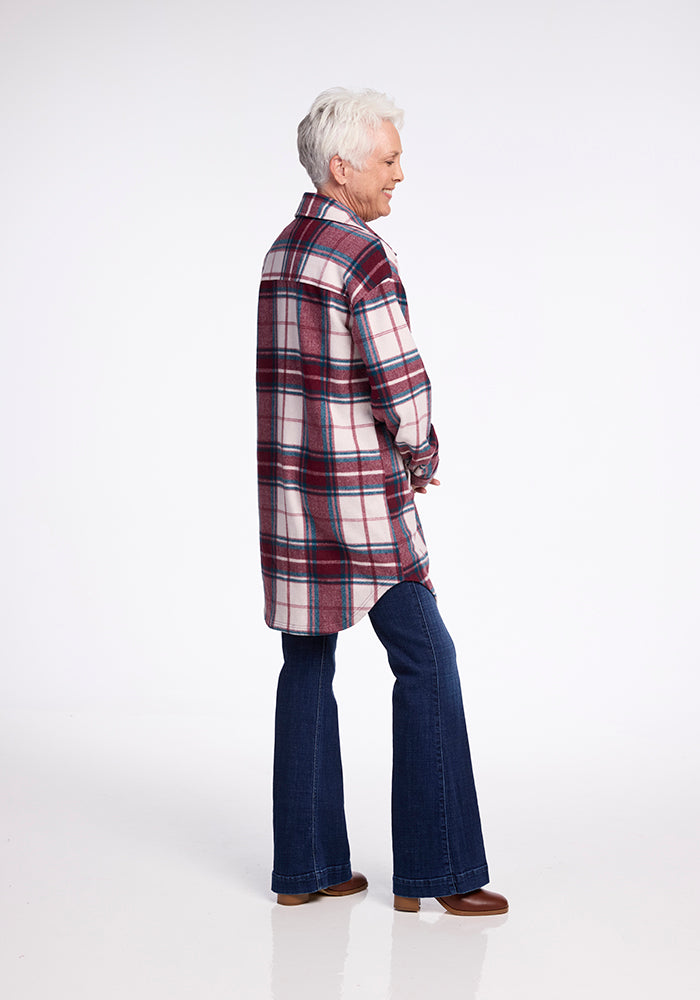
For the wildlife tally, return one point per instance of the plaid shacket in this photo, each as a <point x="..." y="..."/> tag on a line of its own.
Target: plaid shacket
<point x="344" y="424"/>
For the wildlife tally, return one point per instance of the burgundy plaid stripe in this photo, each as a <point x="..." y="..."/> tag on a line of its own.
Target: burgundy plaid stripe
<point x="343" y="423"/>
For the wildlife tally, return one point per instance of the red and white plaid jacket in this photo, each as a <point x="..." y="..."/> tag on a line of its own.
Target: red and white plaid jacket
<point x="344" y="426"/>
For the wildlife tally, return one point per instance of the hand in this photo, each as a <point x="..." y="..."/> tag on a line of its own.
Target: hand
<point x="422" y="489"/>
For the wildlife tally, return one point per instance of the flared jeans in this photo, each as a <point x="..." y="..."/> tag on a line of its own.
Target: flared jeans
<point x="436" y="830"/>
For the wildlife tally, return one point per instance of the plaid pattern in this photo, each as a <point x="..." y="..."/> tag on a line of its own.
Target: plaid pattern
<point x="343" y="424"/>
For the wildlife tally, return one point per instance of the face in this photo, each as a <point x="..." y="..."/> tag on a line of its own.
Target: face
<point x="368" y="191"/>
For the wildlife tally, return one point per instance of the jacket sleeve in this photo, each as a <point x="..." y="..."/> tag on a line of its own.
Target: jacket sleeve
<point x="399" y="384"/>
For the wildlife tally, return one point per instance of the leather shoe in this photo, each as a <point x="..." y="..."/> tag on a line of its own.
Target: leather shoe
<point x="480" y="903"/>
<point x="357" y="883"/>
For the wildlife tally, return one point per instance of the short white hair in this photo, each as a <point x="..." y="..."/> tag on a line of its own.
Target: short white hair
<point x="344" y="123"/>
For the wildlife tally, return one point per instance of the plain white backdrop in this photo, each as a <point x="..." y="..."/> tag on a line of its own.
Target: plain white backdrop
<point x="547" y="233"/>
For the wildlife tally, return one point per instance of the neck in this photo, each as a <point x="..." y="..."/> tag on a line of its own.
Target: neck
<point x="335" y="191"/>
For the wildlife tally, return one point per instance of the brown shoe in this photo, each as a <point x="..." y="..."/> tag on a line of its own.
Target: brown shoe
<point x="357" y="883"/>
<point x="480" y="903"/>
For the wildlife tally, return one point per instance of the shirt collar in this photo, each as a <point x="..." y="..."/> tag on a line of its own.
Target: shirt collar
<point x="318" y="206"/>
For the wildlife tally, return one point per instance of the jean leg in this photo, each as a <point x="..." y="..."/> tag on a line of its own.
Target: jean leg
<point x="437" y="838"/>
<point x="311" y="848"/>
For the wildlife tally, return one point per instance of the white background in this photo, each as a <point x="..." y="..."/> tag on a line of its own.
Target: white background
<point x="547" y="237"/>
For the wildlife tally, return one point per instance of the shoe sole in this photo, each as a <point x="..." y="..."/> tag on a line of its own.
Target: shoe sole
<point x="406" y="904"/>
<point x="347" y="892"/>
<point x="471" y="913"/>
<point x="284" y="899"/>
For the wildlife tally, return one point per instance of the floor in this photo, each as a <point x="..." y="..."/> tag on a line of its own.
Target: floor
<point x="135" y="863"/>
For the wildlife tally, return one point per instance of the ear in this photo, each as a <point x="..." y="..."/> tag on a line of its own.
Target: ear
<point x="338" y="170"/>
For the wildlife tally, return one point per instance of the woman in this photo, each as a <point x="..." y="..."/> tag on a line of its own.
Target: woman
<point x="345" y="441"/>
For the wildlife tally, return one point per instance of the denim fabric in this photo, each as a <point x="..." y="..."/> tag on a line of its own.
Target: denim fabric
<point x="437" y="842"/>
<point x="311" y="842"/>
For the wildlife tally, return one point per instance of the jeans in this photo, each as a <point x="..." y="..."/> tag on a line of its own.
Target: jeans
<point x="436" y="831"/>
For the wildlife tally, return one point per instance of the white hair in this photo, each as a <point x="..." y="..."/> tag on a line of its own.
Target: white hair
<point x="344" y="123"/>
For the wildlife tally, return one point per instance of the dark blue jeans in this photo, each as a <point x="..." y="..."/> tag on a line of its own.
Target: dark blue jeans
<point x="436" y="831"/>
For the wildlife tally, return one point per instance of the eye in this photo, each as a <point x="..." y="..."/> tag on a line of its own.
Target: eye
<point x="390" y="163"/>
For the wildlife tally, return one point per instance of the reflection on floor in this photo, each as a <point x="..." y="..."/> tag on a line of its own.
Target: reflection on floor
<point x="135" y="860"/>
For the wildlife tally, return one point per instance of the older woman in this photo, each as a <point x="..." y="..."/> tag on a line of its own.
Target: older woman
<point x="345" y="441"/>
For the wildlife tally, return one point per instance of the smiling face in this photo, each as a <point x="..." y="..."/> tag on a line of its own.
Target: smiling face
<point x="367" y="192"/>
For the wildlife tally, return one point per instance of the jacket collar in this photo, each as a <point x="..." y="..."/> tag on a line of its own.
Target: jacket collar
<point x="317" y="206"/>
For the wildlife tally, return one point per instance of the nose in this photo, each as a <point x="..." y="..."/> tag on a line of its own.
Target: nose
<point x="398" y="173"/>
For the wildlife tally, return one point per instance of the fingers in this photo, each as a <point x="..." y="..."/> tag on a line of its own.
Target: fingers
<point x="423" y="489"/>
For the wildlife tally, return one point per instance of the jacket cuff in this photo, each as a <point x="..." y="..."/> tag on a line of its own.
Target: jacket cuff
<point x="422" y="473"/>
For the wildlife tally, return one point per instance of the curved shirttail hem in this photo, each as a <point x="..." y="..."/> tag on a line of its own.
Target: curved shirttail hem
<point x="358" y="613"/>
<point x="448" y="885"/>
<point x="311" y="881"/>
